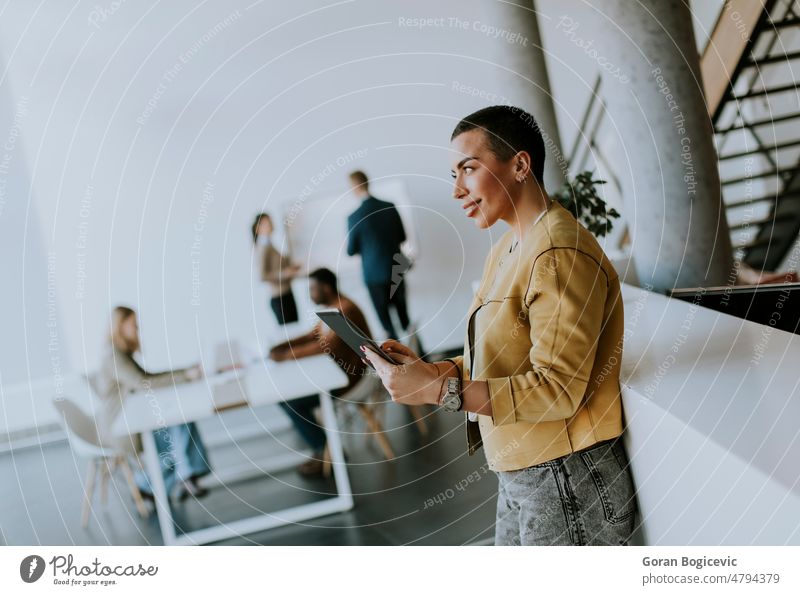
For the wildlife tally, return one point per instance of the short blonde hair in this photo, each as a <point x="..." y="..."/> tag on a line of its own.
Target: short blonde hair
<point x="119" y="315"/>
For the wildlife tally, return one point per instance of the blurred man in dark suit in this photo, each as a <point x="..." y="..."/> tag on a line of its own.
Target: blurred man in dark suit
<point x="375" y="231"/>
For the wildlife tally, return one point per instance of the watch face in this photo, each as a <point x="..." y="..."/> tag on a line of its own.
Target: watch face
<point x="451" y="402"/>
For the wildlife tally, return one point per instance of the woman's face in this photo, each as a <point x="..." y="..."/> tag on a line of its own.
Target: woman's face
<point x="485" y="186"/>
<point x="129" y="329"/>
<point x="264" y="226"/>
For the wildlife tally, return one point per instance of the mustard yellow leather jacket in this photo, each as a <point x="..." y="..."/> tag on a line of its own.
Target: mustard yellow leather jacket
<point x="545" y="331"/>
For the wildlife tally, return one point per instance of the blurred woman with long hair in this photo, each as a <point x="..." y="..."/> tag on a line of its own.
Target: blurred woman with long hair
<point x="276" y="270"/>
<point x="181" y="451"/>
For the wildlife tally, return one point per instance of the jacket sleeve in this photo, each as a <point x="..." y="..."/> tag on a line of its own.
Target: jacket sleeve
<point x="132" y="377"/>
<point x="565" y="304"/>
<point x="458" y="362"/>
<point x="353" y="241"/>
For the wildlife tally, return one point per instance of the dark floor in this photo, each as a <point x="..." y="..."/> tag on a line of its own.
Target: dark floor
<point x="424" y="496"/>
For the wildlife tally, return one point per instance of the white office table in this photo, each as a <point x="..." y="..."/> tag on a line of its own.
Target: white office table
<point x="264" y="382"/>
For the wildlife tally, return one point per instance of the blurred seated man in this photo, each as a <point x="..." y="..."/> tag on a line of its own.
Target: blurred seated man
<point x="325" y="293"/>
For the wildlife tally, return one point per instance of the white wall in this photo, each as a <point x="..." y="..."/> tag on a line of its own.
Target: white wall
<point x="266" y="103"/>
<point x="30" y="304"/>
<point x="155" y="131"/>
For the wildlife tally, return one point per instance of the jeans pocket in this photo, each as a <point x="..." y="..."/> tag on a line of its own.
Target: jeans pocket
<point x="613" y="482"/>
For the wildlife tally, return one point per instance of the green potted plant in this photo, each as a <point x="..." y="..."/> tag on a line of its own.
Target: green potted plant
<point x="580" y="197"/>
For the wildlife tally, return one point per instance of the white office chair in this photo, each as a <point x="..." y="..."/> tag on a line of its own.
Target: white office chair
<point x="369" y="396"/>
<point x="365" y="396"/>
<point x="84" y="440"/>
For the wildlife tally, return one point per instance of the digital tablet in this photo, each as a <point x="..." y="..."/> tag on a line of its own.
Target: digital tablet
<point x="348" y="332"/>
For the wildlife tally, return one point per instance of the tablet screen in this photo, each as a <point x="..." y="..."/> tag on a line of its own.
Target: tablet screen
<point x="349" y="332"/>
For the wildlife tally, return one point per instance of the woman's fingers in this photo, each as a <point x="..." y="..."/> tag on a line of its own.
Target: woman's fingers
<point x="382" y="367"/>
<point x="402" y="358"/>
<point x="408" y="382"/>
<point x="397" y="347"/>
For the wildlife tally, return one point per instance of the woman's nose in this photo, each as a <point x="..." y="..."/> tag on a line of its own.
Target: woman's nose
<point x="458" y="191"/>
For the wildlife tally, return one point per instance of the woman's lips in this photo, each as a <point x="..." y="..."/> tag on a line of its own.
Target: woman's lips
<point x="471" y="207"/>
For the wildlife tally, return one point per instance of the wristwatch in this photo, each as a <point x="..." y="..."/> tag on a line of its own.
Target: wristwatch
<point x="451" y="401"/>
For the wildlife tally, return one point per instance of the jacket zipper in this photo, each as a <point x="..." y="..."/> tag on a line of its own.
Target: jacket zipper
<point x="472" y="447"/>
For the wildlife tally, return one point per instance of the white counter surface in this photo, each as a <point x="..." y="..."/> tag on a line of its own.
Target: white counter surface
<point x="705" y="391"/>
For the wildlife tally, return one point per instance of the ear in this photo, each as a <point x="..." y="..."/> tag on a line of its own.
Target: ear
<point x="522" y="166"/>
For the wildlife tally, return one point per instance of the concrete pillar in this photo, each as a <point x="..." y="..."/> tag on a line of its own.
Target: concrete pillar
<point x="653" y="91"/>
<point x="525" y="83"/>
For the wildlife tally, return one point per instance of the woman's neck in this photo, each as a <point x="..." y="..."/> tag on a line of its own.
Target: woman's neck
<point x="530" y="205"/>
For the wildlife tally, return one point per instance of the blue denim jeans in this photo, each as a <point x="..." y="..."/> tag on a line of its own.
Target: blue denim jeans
<point x="583" y="498"/>
<point x="301" y="413"/>
<point x="181" y="453"/>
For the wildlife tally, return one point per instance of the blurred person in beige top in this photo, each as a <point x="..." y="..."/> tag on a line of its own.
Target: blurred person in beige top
<point x="180" y="449"/>
<point x="276" y="269"/>
<point x="539" y="377"/>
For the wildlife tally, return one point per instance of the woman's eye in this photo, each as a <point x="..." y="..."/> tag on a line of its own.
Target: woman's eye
<point x="468" y="170"/>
